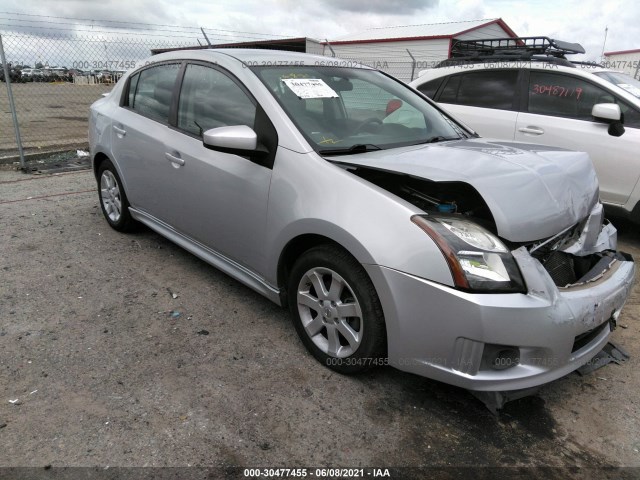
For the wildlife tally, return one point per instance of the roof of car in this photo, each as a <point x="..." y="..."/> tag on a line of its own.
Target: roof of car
<point x="263" y="57"/>
<point x="432" y="73"/>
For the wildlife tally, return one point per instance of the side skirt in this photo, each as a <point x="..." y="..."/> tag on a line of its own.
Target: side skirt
<point x="222" y="263"/>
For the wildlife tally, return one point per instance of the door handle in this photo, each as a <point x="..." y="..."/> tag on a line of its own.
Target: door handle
<point x="120" y="131"/>
<point x="531" y="130"/>
<point x="173" y="159"/>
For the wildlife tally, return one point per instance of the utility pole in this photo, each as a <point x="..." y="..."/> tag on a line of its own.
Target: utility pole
<point x="606" y="29"/>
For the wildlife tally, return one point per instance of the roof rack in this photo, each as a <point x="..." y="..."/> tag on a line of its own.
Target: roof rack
<point x="519" y="45"/>
<point x="541" y="49"/>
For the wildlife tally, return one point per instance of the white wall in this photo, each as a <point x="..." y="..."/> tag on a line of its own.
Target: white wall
<point x="314" y="47"/>
<point x="626" y="62"/>
<point x="490" y="31"/>
<point x="392" y="57"/>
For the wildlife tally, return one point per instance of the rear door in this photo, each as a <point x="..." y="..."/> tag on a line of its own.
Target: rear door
<point x="139" y="129"/>
<point x="557" y="111"/>
<point x="485" y="100"/>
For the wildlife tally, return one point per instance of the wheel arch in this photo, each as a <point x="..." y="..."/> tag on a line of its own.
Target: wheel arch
<point x="98" y="160"/>
<point x="292" y="251"/>
<point x="302" y="242"/>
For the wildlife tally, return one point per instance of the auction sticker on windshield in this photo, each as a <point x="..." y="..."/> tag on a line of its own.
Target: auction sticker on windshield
<point x="309" y="88"/>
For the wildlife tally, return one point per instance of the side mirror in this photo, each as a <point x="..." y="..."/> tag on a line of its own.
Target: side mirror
<point x="238" y="139"/>
<point x="609" y="113"/>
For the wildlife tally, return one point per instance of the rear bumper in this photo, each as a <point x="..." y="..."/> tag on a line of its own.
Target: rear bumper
<point x="448" y="335"/>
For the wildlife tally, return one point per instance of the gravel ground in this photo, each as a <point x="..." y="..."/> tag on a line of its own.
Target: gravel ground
<point x="109" y="369"/>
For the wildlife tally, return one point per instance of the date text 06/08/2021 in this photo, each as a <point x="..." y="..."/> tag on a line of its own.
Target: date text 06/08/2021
<point x="317" y="473"/>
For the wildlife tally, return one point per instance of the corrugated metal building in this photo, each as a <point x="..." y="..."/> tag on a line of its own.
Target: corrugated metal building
<point x="391" y="48"/>
<point x="298" y="44"/>
<point x="627" y="61"/>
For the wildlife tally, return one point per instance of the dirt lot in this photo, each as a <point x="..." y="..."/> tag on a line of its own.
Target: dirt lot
<point x="107" y="374"/>
<point x="49" y="114"/>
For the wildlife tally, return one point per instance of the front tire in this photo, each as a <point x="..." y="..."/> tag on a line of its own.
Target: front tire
<point x="336" y="311"/>
<point x="113" y="199"/>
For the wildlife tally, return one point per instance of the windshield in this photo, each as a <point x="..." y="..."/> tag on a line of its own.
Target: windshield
<point x="622" y="80"/>
<point x="354" y="110"/>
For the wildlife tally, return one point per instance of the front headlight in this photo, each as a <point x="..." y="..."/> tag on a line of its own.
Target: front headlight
<point x="478" y="260"/>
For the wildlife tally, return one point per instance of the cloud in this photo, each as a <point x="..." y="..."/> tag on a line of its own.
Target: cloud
<point x="65" y="13"/>
<point x="580" y="21"/>
<point x="386" y="7"/>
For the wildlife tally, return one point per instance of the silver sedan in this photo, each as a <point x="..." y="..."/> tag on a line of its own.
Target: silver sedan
<point x="392" y="233"/>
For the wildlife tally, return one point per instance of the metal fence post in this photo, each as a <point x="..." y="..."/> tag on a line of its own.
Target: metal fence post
<point x="12" y="106"/>
<point x="333" y="54"/>
<point x="413" y="64"/>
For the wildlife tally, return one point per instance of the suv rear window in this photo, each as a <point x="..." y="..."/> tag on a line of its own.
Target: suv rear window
<point x="489" y="89"/>
<point x="430" y="88"/>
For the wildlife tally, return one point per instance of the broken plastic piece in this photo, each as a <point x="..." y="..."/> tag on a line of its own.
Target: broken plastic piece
<point x="611" y="352"/>
<point x="494" y="401"/>
<point x="175" y="314"/>
<point x="15" y="402"/>
<point x="82" y="153"/>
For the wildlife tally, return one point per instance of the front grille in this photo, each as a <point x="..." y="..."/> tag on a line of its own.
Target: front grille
<point x="561" y="268"/>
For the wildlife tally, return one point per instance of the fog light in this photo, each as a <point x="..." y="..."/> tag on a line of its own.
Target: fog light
<point x="505" y="358"/>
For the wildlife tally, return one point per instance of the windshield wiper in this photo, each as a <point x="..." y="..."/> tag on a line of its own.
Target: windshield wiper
<point x="439" y="138"/>
<point x="357" y="148"/>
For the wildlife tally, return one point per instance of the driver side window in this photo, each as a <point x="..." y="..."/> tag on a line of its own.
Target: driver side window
<point x="211" y="99"/>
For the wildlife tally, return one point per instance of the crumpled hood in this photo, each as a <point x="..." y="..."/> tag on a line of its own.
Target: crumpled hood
<point x="533" y="191"/>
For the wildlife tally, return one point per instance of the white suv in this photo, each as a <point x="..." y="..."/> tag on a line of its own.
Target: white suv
<point x="529" y="92"/>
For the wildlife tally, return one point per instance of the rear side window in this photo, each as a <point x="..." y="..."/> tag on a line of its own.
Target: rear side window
<point x="430" y="88"/>
<point x="490" y="89"/>
<point x="153" y="90"/>
<point x="211" y="99"/>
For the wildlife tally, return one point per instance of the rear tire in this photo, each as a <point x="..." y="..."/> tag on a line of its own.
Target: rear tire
<point x="336" y="310"/>
<point x="113" y="199"/>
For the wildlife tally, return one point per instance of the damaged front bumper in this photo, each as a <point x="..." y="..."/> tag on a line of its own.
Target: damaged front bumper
<point x="500" y="342"/>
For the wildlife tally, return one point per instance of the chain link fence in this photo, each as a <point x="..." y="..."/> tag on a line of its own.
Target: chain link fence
<point x="55" y="77"/>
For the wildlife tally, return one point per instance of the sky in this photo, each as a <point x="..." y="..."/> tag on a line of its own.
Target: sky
<point x="582" y="21"/>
